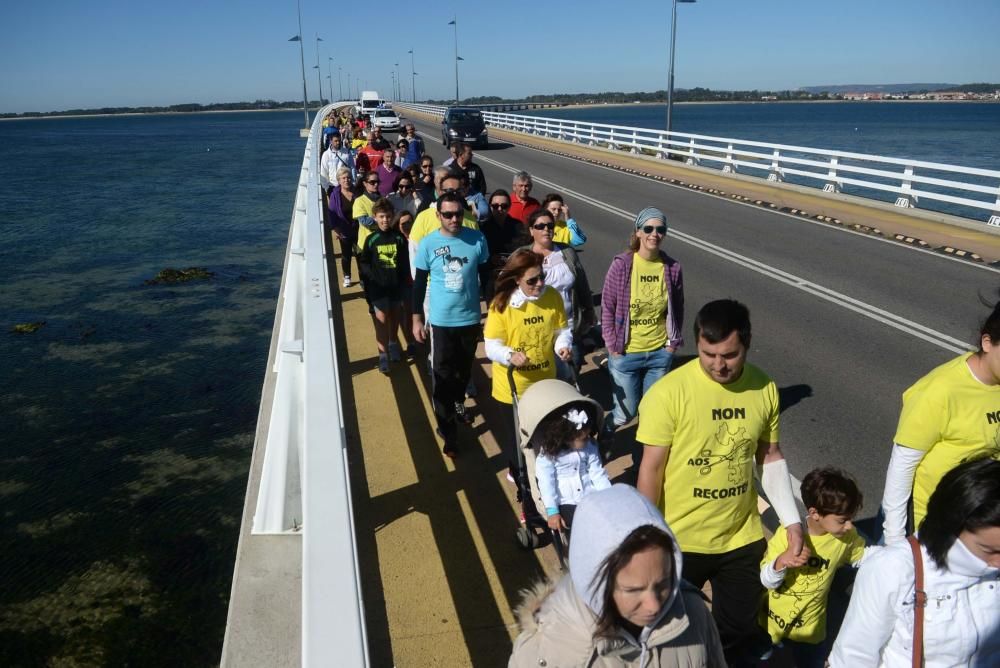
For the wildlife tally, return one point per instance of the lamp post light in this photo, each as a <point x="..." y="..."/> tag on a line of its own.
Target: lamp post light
<point x="302" y="58"/>
<point x="454" y="22"/>
<point x="319" y="73"/>
<point x="340" y="81"/>
<point x="670" y="86"/>
<point x="413" y="78"/>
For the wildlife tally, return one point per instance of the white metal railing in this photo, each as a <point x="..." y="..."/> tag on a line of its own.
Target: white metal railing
<point x="908" y="181"/>
<point x="305" y="485"/>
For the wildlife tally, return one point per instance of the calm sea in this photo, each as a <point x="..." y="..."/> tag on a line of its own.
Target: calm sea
<point x="965" y="134"/>
<point x="129" y="417"/>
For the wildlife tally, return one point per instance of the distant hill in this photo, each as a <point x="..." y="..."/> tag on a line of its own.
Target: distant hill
<point x="881" y="88"/>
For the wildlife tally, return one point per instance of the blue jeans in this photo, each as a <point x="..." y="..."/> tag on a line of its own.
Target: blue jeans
<point x="633" y="374"/>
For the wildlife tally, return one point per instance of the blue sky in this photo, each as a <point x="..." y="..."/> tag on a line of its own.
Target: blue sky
<point x="74" y="54"/>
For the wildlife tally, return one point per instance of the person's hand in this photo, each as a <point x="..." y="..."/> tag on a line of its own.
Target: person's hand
<point x="616" y="354"/>
<point x="518" y="359"/>
<point x="564" y="212"/>
<point x="671" y="349"/>
<point x="419" y="334"/>
<point x="556" y="522"/>
<point x="795" y="540"/>
<point x="788" y="560"/>
<point x="565" y="354"/>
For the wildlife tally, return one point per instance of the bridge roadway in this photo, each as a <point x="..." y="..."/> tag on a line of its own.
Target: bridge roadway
<point x="842" y="321"/>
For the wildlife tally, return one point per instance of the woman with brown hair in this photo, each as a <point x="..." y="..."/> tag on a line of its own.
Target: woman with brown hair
<point x="526" y="328"/>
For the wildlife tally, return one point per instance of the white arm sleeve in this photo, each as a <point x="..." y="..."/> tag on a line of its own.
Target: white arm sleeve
<point x="898" y="489"/>
<point x="771" y="578"/>
<point x="564" y="339"/>
<point x="777" y="485"/>
<point x="870" y="618"/>
<point x="413" y="258"/>
<point x="496" y="351"/>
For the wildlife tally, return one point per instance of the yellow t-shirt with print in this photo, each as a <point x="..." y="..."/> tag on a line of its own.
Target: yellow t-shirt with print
<point x="796" y="610"/>
<point x="427" y="222"/>
<point x="647" y="324"/>
<point x="362" y="207"/>
<point x="530" y="329"/>
<point x="561" y="235"/>
<point x="709" y="499"/>
<point x="952" y="417"/>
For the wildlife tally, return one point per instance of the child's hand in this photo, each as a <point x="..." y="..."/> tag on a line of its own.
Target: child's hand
<point x="556" y="522"/>
<point x="788" y="559"/>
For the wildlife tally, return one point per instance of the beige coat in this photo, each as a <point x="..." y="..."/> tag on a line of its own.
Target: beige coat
<point x="557" y="626"/>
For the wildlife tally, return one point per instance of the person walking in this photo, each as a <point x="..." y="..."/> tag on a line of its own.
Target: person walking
<point x="704" y="429"/>
<point x="568" y="231"/>
<point x="342" y="222"/>
<point x="522" y="203"/>
<point x="454" y="261"/>
<point x="642" y="312"/>
<point x="958" y="550"/>
<point x="950" y="415"/>
<point x="384" y="265"/>
<point x="503" y="235"/>
<point x="623" y="603"/>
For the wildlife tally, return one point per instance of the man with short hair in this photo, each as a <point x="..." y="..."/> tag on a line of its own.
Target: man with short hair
<point x="388" y="172"/>
<point x="464" y="165"/>
<point x="411" y="136"/>
<point x="335" y="157"/>
<point x="522" y="204"/>
<point x="704" y="426"/>
<point x="455" y="261"/>
<point x="377" y="141"/>
<point x="427" y="220"/>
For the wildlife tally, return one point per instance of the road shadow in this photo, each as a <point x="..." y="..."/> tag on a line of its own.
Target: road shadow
<point x="790" y="395"/>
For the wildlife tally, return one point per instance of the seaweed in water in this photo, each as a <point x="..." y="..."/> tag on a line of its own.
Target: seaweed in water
<point x="27" y="327"/>
<point x="170" y="276"/>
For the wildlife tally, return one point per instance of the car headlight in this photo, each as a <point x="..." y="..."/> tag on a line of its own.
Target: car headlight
<point x="453" y="132"/>
<point x="483" y="132"/>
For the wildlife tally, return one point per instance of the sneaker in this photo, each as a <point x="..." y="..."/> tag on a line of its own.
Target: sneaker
<point x="347" y="281"/>
<point x="470" y="390"/>
<point x="510" y="478"/>
<point x="395" y="354"/>
<point x="460" y="414"/>
<point x="383" y="363"/>
<point x="411" y="351"/>
<point x="450" y="450"/>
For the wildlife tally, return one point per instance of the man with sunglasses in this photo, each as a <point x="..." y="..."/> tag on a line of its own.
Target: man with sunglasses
<point x="451" y="263"/>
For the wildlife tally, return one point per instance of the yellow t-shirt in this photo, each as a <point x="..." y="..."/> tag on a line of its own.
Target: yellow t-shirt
<point x="952" y="417"/>
<point x="530" y="329"/>
<point x="362" y="207"/>
<point x="427" y="222"/>
<point x="796" y="610"/>
<point x="709" y="499"/>
<point x="561" y="234"/>
<point x="647" y="324"/>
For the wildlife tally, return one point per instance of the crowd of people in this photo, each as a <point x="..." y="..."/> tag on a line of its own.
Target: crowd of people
<point x="431" y="243"/>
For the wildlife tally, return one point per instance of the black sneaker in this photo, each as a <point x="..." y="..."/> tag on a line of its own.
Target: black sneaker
<point x="450" y="450"/>
<point x="460" y="414"/>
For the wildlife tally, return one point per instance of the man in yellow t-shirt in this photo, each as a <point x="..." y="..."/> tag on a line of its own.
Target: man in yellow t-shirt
<point x="704" y="426"/>
<point x="949" y="416"/>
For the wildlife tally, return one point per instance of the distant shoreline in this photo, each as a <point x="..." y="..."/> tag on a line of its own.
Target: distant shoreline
<point x="151" y="113"/>
<point x="702" y="102"/>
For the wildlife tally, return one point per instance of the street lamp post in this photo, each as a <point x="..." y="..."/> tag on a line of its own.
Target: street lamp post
<point x="399" y="85"/>
<point x="454" y="22"/>
<point x="392" y="76"/>
<point x="319" y="72"/>
<point x="413" y="77"/>
<point x="340" y="81"/>
<point x="670" y="86"/>
<point x="329" y="72"/>
<point x="302" y="58"/>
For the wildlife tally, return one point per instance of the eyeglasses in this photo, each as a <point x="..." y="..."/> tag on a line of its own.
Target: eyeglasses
<point x="372" y="182"/>
<point x="450" y="215"/>
<point x="499" y="207"/>
<point x="544" y="226"/>
<point x="535" y="280"/>
<point x="659" y="229"/>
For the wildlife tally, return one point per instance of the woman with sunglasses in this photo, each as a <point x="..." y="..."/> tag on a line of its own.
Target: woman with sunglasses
<point x="642" y="312"/>
<point x="565" y="274"/>
<point x="363" y="203"/>
<point x="526" y="328"/>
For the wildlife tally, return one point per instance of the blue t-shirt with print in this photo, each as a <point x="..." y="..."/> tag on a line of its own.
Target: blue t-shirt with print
<point x="452" y="264"/>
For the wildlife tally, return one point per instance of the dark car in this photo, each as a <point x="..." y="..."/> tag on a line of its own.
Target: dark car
<point x="464" y="124"/>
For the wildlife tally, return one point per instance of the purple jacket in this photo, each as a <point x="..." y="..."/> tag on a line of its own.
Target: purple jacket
<point x="617" y="293"/>
<point x="339" y="221"/>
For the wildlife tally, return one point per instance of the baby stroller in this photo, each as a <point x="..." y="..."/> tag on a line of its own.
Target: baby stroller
<point x="539" y="400"/>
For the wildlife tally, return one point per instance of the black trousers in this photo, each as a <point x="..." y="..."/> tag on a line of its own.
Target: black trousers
<point x="737" y="596"/>
<point x="453" y="349"/>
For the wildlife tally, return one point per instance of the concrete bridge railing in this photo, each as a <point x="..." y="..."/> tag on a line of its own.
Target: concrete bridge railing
<point x="305" y="487"/>
<point x="971" y="192"/>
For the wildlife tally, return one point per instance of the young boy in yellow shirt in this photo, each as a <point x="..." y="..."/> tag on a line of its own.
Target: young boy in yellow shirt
<point x="799" y="586"/>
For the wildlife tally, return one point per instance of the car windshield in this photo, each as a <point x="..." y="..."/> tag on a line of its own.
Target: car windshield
<point x="465" y="116"/>
<point x="385" y="112"/>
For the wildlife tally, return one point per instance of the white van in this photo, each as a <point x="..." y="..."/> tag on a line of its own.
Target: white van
<point x="369" y="102"/>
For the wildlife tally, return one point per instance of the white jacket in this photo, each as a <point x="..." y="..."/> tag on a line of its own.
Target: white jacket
<point x="961" y="620"/>
<point x="565" y="478"/>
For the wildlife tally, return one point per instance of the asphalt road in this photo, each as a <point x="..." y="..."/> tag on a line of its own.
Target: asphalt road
<point x="842" y="322"/>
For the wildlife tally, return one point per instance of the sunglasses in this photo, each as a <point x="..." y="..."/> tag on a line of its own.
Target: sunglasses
<point x="499" y="207"/>
<point x="535" y="280"/>
<point x="659" y="229"/>
<point x="544" y="226"/>
<point x="405" y="186"/>
<point x="450" y="215"/>
<point x="372" y="183"/>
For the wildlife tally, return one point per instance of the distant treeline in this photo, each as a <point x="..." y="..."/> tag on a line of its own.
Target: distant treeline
<point x="257" y="105"/>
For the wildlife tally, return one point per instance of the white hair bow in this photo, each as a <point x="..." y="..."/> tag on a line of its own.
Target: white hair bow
<point x="578" y="417"/>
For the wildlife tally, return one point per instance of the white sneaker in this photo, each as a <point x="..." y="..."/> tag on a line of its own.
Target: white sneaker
<point x="347" y="281"/>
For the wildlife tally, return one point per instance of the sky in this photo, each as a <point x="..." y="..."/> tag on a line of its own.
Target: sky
<point x="66" y="54"/>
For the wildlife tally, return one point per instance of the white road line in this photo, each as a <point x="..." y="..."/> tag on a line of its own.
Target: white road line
<point x="900" y="323"/>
